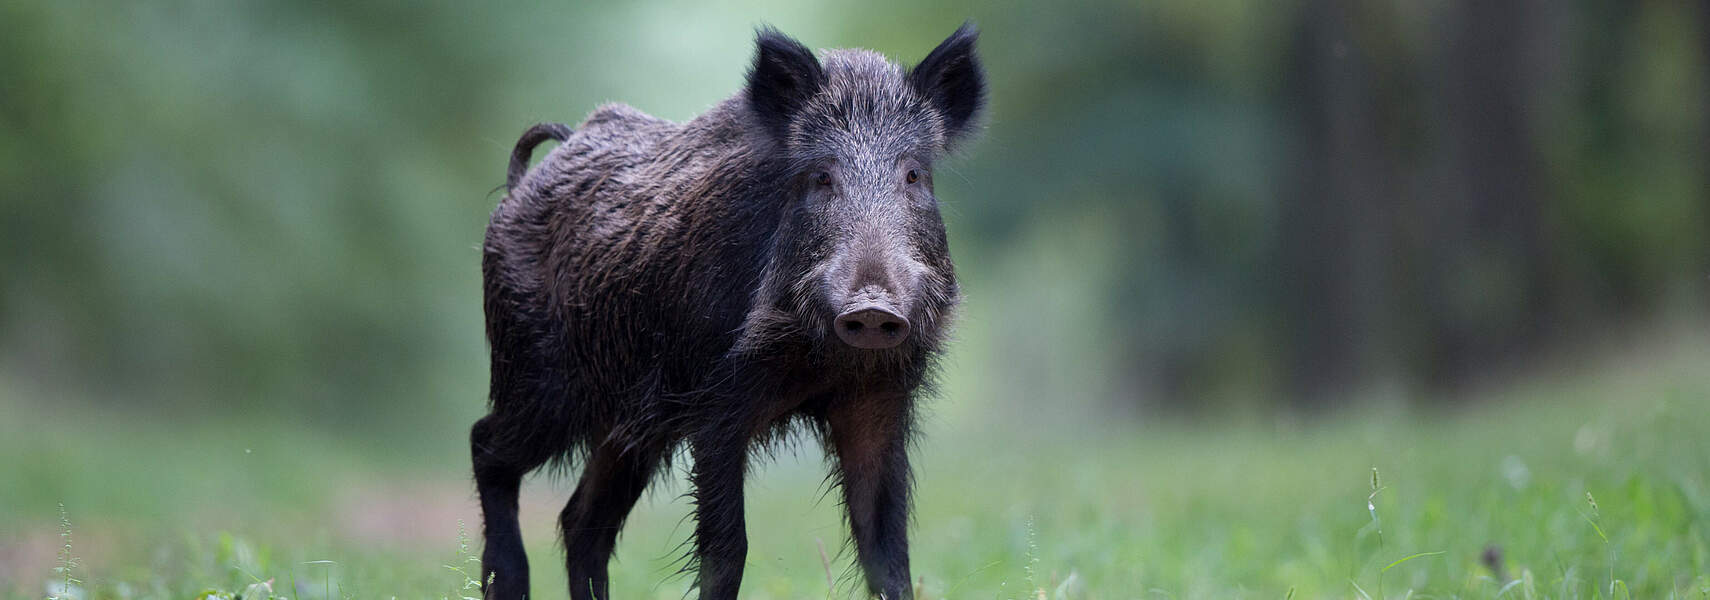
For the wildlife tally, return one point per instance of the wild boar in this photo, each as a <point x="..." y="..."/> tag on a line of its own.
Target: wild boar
<point x="775" y="264"/>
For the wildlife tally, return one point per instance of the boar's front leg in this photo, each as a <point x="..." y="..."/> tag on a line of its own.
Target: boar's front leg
<point x="870" y="437"/>
<point x="721" y="537"/>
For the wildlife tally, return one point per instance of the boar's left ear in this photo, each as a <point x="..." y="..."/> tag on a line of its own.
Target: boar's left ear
<point x="784" y="76"/>
<point x="952" y="80"/>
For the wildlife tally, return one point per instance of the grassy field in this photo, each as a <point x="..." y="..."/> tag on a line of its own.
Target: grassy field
<point x="1591" y="480"/>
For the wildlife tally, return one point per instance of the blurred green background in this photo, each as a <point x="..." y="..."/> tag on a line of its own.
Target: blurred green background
<point x="256" y="224"/>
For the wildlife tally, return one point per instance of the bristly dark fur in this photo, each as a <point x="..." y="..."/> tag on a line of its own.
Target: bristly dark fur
<point x="652" y="285"/>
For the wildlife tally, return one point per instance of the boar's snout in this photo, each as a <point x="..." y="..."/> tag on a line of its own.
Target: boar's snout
<point x="872" y="327"/>
<point x="874" y="286"/>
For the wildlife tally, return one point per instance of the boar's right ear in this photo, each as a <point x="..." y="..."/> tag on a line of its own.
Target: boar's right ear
<point x="784" y="76"/>
<point x="951" y="79"/>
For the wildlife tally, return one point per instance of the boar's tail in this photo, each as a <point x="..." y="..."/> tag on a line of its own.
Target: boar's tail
<point x="525" y="148"/>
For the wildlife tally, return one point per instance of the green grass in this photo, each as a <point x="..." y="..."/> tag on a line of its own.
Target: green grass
<point x="1592" y="479"/>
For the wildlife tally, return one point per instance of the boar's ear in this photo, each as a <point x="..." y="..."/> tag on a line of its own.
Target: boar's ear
<point x="951" y="79"/>
<point x="784" y="76"/>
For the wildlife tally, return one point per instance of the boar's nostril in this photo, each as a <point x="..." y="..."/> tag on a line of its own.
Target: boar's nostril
<point x="872" y="327"/>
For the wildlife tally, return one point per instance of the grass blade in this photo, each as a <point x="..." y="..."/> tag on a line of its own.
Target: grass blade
<point x="1408" y="558"/>
<point x="1357" y="588"/>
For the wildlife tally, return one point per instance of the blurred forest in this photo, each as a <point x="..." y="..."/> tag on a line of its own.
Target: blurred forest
<point x="275" y="207"/>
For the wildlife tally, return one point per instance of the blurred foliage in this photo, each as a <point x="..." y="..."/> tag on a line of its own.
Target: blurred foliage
<point x="277" y="206"/>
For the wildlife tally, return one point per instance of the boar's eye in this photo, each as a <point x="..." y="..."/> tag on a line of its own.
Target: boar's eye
<point x="822" y="178"/>
<point x="913" y="175"/>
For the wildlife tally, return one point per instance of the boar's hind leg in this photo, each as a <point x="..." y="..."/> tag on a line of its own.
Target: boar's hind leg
<point x="614" y="478"/>
<point x="498" y="476"/>
<point x="870" y="439"/>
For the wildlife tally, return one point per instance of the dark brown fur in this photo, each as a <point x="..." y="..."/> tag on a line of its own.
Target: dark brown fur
<point x="652" y="284"/>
